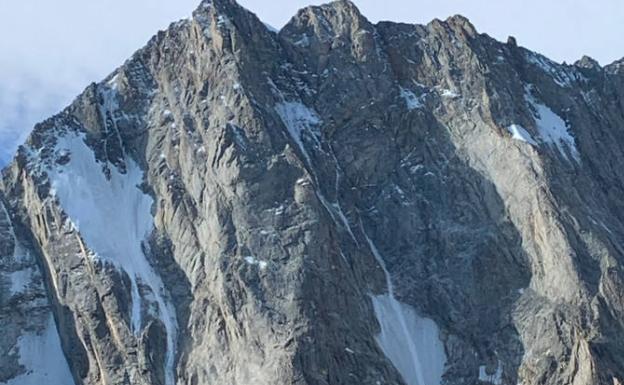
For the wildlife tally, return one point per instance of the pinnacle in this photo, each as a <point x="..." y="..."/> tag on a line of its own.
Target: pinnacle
<point x="463" y="22"/>
<point x="587" y="62"/>
<point x="226" y="7"/>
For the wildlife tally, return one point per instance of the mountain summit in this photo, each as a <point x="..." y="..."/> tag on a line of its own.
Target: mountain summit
<point x="339" y="202"/>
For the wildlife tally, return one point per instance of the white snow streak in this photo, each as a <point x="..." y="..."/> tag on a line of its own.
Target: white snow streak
<point x="520" y="133"/>
<point x="299" y="119"/>
<point x="44" y="360"/>
<point x="409" y="341"/>
<point x="114" y="218"/>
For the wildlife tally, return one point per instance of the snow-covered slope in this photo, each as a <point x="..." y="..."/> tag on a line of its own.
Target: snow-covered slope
<point x="114" y="217"/>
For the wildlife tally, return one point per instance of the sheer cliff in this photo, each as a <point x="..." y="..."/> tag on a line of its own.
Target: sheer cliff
<point x="339" y="202"/>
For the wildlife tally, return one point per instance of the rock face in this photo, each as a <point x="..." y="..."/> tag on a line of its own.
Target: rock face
<point x="337" y="203"/>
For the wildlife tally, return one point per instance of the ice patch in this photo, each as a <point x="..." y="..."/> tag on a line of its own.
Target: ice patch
<point x="552" y="129"/>
<point x="279" y="210"/>
<point x="445" y="93"/>
<point x="411" y="100"/>
<point x="113" y="82"/>
<point x="410" y="342"/>
<point x="223" y="20"/>
<point x="42" y="356"/>
<point x="496" y="378"/>
<point x="114" y="218"/>
<point x="520" y="133"/>
<point x="299" y="119"/>
<point x="255" y="262"/>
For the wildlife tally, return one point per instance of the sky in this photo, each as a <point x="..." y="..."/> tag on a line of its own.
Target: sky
<point x="51" y="50"/>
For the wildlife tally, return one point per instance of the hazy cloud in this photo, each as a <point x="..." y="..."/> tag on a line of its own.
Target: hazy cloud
<point x="51" y="50"/>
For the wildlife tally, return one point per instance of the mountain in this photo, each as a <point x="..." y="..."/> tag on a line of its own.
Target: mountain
<point x="339" y="202"/>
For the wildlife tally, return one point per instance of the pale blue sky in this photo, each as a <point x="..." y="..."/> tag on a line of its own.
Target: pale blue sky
<point x="50" y="50"/>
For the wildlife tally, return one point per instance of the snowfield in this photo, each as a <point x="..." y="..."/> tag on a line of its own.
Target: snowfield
<point x="114" y="218"/>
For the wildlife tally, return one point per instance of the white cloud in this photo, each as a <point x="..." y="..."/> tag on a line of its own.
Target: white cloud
<point x="51" y="50"/>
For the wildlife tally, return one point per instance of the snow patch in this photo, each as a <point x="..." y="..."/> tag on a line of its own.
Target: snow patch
<point x="520" y="133"/>
<point x="20" y="280"/>
<point x="552" y="128"/>
<point x="411" y="100"/>
<point x="255" y="262"/>
<point x="223" y="20"/>
<point x="93" y="203"/>
<point x="299" y="119"/>
<point x="279" y="210"/>
<point x="410" y="342"/>
<point x="445" y="93"/>
<point x="42" y="356"/>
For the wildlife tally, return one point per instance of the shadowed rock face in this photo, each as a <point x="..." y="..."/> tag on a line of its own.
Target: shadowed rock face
<point x="336" y="203"/>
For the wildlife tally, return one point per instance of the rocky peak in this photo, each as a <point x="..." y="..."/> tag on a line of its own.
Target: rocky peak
<point x="338" y="203"/>
<point x="588" y="63"/>
<point x="463" y="24"/>
<point x="231" y="26"/>
<point x="227" y="7"/>
<point x="334" y="17"/>
<point x="338" y="25"/>
<point x="616" y="67"/>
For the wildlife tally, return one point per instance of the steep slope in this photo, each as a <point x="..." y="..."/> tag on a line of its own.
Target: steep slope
<point x="336" y="203"/>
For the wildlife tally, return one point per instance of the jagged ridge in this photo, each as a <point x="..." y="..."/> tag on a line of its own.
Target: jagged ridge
<point x="328" y="200"/>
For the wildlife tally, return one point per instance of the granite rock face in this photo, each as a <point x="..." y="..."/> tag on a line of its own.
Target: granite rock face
<point x="339" y="202"/>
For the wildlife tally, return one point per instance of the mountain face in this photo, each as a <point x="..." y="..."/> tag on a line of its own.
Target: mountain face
<point x="338" y="203"/>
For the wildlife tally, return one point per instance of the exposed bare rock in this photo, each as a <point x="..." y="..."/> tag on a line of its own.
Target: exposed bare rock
<point x="340" y="202"/>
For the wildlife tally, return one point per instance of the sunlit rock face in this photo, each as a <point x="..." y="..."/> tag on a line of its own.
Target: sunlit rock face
<point x="339" y="202"/>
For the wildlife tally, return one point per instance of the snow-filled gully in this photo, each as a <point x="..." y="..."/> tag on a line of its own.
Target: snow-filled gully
<point x="93" y="203"/>
<point x="40" y="352"/>
<point x="409" y="341"/>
